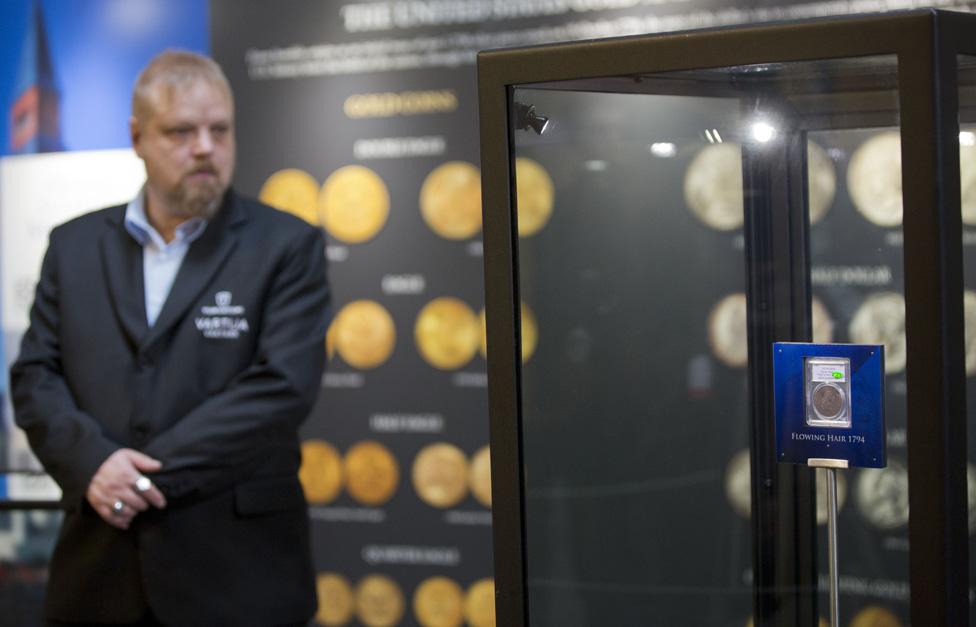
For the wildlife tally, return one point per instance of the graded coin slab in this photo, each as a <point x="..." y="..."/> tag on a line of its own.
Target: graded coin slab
<point x="354" y="204"/>
<point x="364" y="334"/>
<point x="875" y="616"/>
<point x="727" y="331"/>
<point x="440" y="474"/>
<point x="447" y="333"/>
<point x="479" y="476"/>
<point x="336" y="604"/>
<point x="379" y="601"/>
<point x="881" y="320"/>
<point x="321" y="472"/>
<point x="713" y="186"/>
<point x="535" y="195"/>
<point x="438" y="602"/>
<point x="882" y="495"/>
<point x="371" y="473"/>
<point x="450" y="200"/>
<point x="479" y="603"/>
<point x="294" y="191"/>
<point x="874" y="179"/>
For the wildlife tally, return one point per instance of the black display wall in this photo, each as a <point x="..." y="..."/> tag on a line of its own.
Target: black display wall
<point x="362" y="118"/>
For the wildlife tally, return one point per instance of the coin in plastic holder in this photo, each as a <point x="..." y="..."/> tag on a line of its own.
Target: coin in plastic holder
<point x="828" y="396"/>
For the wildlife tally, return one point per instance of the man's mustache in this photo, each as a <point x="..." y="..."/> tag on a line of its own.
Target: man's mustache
<point x="204" y="169"/>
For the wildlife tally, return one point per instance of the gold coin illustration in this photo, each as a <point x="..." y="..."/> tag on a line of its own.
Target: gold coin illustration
<point x="450" y="200"/>
<point x="371" y="473"/>
<point x="479" y="603"/>
<point x="713" y="186"/>
<point x="534" y="193"/>
<point x="335" y="600"/>
<point x="967" y="181"/>
<point x="727" y="331"/>
<point x="294" y="191"/>
<point x="821" y="181"/>
<point x="738" y="484"/>
<point x="881" y="320"/>
<point x="364" y="334"/>
<point x="530" y="333"/>
<point x="821" y="322"/>
<point x="354" y="204"/>
<point x="440" y="474"/>
<point x="330" y="340"/>
<point x="447" y="333"/>
<point x="969" y="318"/>
<point x="321" y="472"/>
<point x="874" y="179"/>
<point x="875" y="616"/>
<point x="480" y="476"/>
<point x="882" y="495"/>
<point x="379" y="601"/>
<point x="438" y="602"/>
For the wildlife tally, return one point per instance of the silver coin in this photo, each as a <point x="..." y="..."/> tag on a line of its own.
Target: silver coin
<point x="713" y="186"/>
<point x="882" y="495"/>
<point x="828" y="400"/>
<point x="881" y="320"/>
<point x="874" y="179"/>
<point x="820" y="320"/>
<point x="821" y="181"/>
<point x="727" y="331"/>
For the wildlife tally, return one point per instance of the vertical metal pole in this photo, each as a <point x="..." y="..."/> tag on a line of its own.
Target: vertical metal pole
<point x="832" y="546"/>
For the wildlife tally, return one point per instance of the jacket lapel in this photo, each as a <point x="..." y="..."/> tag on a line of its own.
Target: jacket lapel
<point x="204" y="258"/>
<point x="122" y="262"/>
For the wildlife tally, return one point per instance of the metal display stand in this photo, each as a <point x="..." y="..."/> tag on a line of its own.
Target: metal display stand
<point x="831" y="466"/>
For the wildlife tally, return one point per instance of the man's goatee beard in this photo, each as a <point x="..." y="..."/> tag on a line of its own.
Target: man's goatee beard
<point x="198" y="203"/>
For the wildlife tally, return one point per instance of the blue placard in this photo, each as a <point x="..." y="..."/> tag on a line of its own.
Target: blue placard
<point x="3" y="487"/>
<point x="829" y="403"/>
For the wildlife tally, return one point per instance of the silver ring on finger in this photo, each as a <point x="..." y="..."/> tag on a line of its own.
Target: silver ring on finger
<point x="118" y="507"/>
<point x="142" y="484"/>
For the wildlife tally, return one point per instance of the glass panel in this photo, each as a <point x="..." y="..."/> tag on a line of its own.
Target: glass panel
<point x="635" y="406"/>
<point x="967" y="179"/>
<point x="857" y="277"/>
<point x="634" y="403"/>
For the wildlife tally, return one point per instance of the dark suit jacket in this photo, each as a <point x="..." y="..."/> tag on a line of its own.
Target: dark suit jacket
<point x="216" y="390"/>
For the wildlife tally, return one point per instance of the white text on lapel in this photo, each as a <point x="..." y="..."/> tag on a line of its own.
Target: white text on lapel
<point x="223" y="320"/>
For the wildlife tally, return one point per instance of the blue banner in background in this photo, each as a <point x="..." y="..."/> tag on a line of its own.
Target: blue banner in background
<point x="95" y="48"/>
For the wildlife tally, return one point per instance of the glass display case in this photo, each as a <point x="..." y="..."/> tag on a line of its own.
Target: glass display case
<point x="658" y="210"/>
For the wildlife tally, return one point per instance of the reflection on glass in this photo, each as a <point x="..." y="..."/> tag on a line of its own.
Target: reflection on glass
<point x="635" y="407"/>
<point x="967" y="180"/>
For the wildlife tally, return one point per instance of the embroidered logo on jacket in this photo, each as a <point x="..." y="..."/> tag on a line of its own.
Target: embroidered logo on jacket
<point x="224" y="320"/>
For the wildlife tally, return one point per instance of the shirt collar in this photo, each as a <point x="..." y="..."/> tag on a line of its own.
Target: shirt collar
<point x="138" y="226"/>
